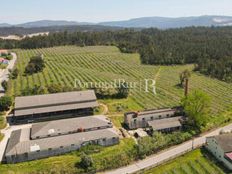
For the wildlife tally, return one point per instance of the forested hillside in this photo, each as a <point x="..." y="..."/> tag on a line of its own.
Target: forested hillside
<point x="210" y="49"/>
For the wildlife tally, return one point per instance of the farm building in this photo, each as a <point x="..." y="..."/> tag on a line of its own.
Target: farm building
<point x="221" y="147"/>
<point x="53" y="106"/>
<point x="166" y="124"/>
<point x="136" y="120"/>
<point x="150" y="118"/>
<point x="69" y="126"/>
<point x="58" y="137"/>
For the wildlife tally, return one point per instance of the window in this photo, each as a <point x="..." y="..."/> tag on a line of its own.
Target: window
<point x="61" y="146"/>
<point x="72" y="144"/>
<point x="38" y="151"/>
<point x="167" y="115"/>
<point x="49" y="149"/>
<point x="26" y="155"/>
<point x="104" y="139"/>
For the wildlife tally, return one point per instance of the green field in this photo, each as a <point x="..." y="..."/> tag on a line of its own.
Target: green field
<point x="194" y="162"/>
<point x="101" y="63"/>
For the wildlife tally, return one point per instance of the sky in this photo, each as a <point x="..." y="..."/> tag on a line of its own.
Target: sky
<point x="20" y="11"/>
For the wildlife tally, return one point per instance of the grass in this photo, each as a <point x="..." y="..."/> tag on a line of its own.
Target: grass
<point x="193" y="162"/>
<point x="65" y="64"/>
<point x="3" y="66"/>
<point x="67" y="163"/>
<point x="2" y="122"/>
<point x="101" y="63"/>
<point x="1" y="136"/>
<point x="117" y="120"/>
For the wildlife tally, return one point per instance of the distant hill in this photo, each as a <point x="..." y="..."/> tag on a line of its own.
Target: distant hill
<point x="165" y="23"/>
<point x="146" y="22"/>
<point x="49" y="23"/>
<point x="4" y="25"/>
<point x="45" y="23"/>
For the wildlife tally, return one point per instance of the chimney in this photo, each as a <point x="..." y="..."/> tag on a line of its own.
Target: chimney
<point x="186" y="87"/>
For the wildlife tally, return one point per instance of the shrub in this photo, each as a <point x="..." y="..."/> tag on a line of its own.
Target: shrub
<point x="86" y="162"/>
<point x="55" y="88"/>
<point x="4" y="85"/>
<point x="35" y="65"/>
<point x="5" y="103"/>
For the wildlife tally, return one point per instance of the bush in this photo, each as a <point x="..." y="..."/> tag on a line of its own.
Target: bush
<point x="55" y="88"/>
<point x="14" y="74"/>
<point x="4" y="85"/>
<point x="35" y="65"/>
<point x="37" y="90"/>
<point x="5" y="103"/>
<point x="86" y="162"/>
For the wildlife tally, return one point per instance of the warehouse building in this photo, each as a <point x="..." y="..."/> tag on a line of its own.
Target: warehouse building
<point x="53" y="106"/>
<point x="69" y="126"/>
<point x="157" y="120"/>
<point x="44" y="140"/>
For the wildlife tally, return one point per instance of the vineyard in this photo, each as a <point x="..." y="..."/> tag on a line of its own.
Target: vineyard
<point x="66" y="64"/>
<point x="192" y="163"/>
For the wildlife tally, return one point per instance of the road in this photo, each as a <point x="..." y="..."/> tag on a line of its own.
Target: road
<point x="4" y="73"/>
<point x="168" y="154"/>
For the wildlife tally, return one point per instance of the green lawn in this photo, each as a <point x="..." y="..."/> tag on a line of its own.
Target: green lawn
<point x="194" y="162"/>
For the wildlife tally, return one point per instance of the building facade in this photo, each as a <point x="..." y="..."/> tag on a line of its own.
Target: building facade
<point x="221" y="148"/>
<point x="136" y="120"/>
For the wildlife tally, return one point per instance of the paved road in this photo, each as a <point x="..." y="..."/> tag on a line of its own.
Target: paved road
<point x="4" y="73"/>
<point x="167" y="154"/>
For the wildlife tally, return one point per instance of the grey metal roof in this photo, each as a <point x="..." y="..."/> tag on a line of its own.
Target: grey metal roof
<point x="58" y="141"/>
<point x="158" y="111"/>
<point x="68" y="125"/>
<point x="165" y="123"/>
<point x="225" y="141"/>
<point x="54" y="102"/>
<point x="152" y="112"/>
<point x="14" y="140"/>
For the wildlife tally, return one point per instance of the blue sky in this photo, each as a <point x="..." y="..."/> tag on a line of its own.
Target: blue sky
<point x="18" y="11"/>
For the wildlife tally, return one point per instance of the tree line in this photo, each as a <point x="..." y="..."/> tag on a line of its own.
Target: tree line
<point x="209" y="48"/>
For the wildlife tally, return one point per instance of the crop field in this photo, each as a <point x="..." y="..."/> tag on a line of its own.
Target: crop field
<point x="66" y="64"/>
<point x="192" y="163"/>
